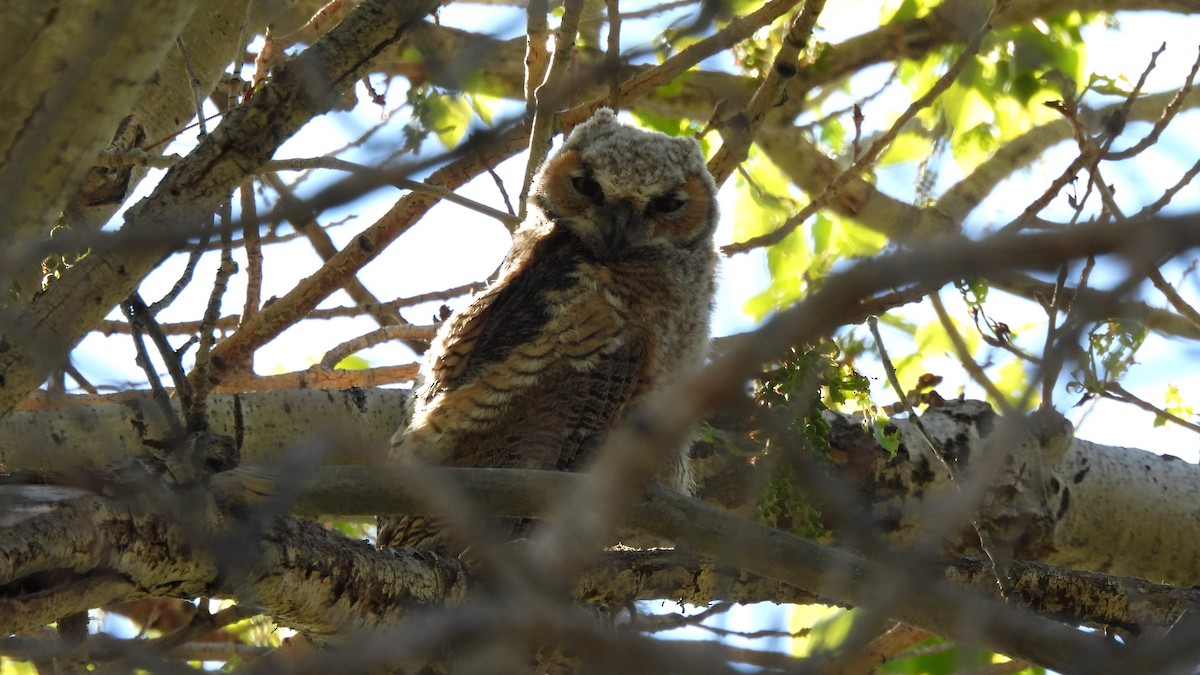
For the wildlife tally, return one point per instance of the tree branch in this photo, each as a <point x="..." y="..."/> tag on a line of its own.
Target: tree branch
<point x="307" y="86"/>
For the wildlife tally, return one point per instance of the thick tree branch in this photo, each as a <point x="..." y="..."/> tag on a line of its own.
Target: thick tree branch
<point x="333" y="587"/>
<point x="47" y="138"/>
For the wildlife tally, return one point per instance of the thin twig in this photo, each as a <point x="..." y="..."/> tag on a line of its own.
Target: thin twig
<point x="548" y="94"/>
<point x="1030" y="213"/>
<point x="1052" y="363"/>
<point x="503" y="195"/>
<point x="1116" y="392"/>
<point x="1167" y="115"/>
<point x="612" y="57"/>
<point x="253" y="247"/>
<point x="853" y="107"/>
<point x="228" y="323"/>
<point x="537" y="56"/>
<point x="1170" y="192"/>
<point x="304" y="219"/>
<point x="188" y="270"/>
<point x="395" y="178"/>
<point x="1116" y="120"/>
<point x="196" y="412"/>
<point x="1185" y="310"/>
<point x="658" y="9"/>
<point x="1052" y="368"/>
<point x="80" y="381"/>
<point x="197" y="95"/>
<point x="657" y="623"/>
<point x="387" y="333"/>
<point x="140" y="319"/>
<point x="186" y="640"/>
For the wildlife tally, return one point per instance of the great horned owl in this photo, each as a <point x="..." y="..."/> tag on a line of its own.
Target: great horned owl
<point x="604" y="298"/>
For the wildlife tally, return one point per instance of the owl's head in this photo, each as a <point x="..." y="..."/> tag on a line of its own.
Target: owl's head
<point x="624" y="191"/>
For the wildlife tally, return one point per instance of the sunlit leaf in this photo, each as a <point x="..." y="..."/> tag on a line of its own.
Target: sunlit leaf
<point x="938" y="657"/>
<point x="974" y="146"/>
<point x="895" y="11"/>
<point x="1013" y="381"/>
<point x="1175" y="405"/>
<point x="484" y="106"/>
<point x="787" y="263"/>
<point x="833" y="133"/>
<point x="670" y="125"/>
<point x="818" y="627"/>
<point x="932" y="340"/>
<point x="1102" y="84"/>
<point x="826" y="632"/>
<point x="449" y="116"/>
<point x="887" y="436"/>
<point x="907" y="147"/>
<point x="968" y="108"/>
<point x="353" y="362"/>
<point x="856" y="241"/>
<point x="822" y="233"/>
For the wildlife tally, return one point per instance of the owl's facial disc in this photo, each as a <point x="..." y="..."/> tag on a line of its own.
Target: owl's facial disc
<point x="616" y="214"/>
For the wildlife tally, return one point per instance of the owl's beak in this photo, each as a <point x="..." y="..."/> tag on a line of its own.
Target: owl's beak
<point x="622" y="219"/>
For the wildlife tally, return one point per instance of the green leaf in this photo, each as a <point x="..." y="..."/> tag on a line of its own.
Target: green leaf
<point x="771" y="299"/>
<point x="968" y="108"/>
<point x="822" y="233"/>
<point x="762" y="206"/>
<point x="1175" y="405"/>
<point x="833" y="133"/>
<point x="974" y="291"/>
<point x="802" y="621"/>
<point x="828" y="629"/>
<point x="449" y="116"/>
<point x="932" y="340"/>
<point x="352" y="362"/>
<point x="887" y="436"/>
<point x="948" y="659"/>
<point x="743" y="7"/>
<point x="483" y="106"/>
<point x="856" y="241"/>
<point x="903" y="324"/>
<point x="788" y="262"/>
<point x="905" y="10"/>
<point x="1112" y="346"/>
<point x="907" y="147"/>
<point x="671" y="126"/>
<point x="1103" y="84"/>
<point x="974" y="146"/>
<point x="1013" y="382"/>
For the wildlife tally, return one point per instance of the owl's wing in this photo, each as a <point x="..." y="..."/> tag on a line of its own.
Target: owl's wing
<point x="538" y="353"/>
<point x="567" y="416"/>
<point x="508" y="314"/>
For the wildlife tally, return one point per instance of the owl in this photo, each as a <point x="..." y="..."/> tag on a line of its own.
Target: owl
<point x="604" y="298"/>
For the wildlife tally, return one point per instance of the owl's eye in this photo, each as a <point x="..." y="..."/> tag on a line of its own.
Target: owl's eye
<point x="665" y="204"/>
<point x="588" y="187"/>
